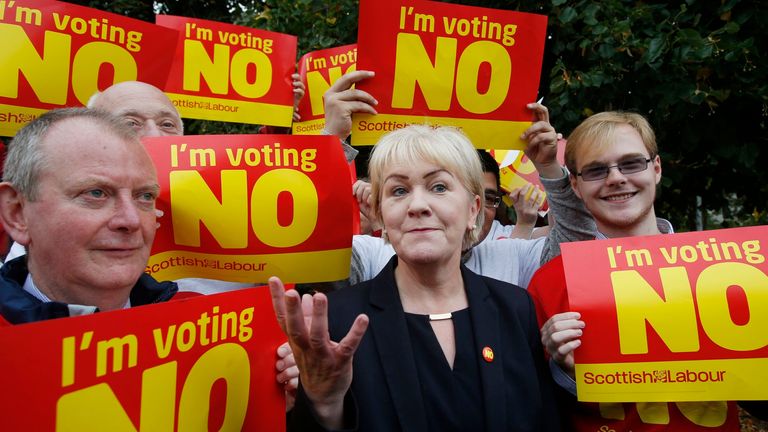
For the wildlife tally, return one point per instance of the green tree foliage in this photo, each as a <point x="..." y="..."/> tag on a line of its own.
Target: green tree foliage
<point x="317" y="23"/>
<point x="696" y="69"/>
<point x="139" y="9"/>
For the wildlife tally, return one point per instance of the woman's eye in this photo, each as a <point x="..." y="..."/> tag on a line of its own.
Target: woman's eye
<point x="398" y="191"/>
<point x="439" y="188"/>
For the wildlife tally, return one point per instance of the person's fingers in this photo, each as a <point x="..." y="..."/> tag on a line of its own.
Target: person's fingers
<point x="292" y="371"/>
<point x="277" y="291"/>
<point x="525" y="193"/>
<point x="359" y="107"/>
<point x="566" y="316"/>
<point x="532" y="196"/>
<point x="542" y="140"/>
<point x="536" y="190"/>
<point x="562" y="330"/>
<point x="306" y="309"/>
<point x="353" y="96"/>
<point x="347" y="80"/>
<point x="536" y="130"/>
<point x="553" y="324"/>
<point x="566" y="324"/>
<point x="284" y="350"/>
<point x="361" y="190"/>
<point x="295" y="325"/>
<point x="540" y="112"/>
<point x="285" y="376"/>
<point x="563" y="336"/>
<point x="565" y="350"/>
<point x="347" y="346"/>
<point x="285" y="361"/>
<point x="291" y="385"/>
<point x="318" y="331"/>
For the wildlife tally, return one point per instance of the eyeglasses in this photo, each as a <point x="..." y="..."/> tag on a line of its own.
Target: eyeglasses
<point x="600" y="172"/>
<point x="492" y="200"/>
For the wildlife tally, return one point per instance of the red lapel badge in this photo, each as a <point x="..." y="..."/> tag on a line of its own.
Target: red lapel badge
<point x="488" y="354"/>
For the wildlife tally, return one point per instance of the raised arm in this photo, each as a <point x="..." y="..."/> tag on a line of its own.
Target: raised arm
<point x="572" y="220"/>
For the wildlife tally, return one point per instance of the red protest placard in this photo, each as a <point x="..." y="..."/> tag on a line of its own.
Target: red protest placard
<point x="516" y="171"/>
<point x="318" y="71"/>
<point x="231" y="73"/>
<point x="246" y="207"/>
<point x="203" y="363"/>
<point x="440" y="63"/>
<point x="671" y="317"/>
<point x="57" y="54"/>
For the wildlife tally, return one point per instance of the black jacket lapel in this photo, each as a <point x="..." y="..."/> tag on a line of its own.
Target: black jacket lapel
<point x="485" y="321"/>
<point x="390" y="332"/>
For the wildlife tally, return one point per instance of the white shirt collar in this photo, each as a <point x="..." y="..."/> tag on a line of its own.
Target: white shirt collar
<point x="74" y="309"/>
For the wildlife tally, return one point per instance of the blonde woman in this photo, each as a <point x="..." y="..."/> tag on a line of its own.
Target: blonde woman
<point x="447" y="349"/>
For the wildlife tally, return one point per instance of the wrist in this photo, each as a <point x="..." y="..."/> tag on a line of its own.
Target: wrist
<point x="327" y="131"/>
<point x="551" y="170"/>
<point x="526" y="224"/>
<point x="330" y="413"/>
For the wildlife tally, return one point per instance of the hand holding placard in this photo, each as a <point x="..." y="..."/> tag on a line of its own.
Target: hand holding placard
<point x="445" y="64"/>
<point x="560" y="336"/>
<point x="341" y="101"/>
<point x="674" y="317"/>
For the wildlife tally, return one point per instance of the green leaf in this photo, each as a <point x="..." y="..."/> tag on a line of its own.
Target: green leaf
<point x="556" y="85"/>
<point x="589" y="14"/>
<point x="732" y="27"/>
<point x="704" y="52"/>
<point x="599" y="29"/>
<point x="655" y="49"/>
<point x="606" y="51"/>
<point x="567" y="15"/>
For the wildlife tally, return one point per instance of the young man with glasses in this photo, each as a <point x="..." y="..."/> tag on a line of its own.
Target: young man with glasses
<point x="615" y="167"/>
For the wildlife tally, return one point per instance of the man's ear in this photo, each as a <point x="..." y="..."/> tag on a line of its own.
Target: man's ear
<point x="657" y="168"/>
<point x="12" y="213"/>
<point x="574" y="184"/>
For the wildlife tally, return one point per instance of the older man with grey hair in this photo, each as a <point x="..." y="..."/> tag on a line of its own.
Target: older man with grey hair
<point x="79" y="194"/>
<point x="148" y="111"/>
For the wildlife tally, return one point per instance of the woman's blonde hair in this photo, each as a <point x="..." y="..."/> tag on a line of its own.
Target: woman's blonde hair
<point x="444" y="146"/>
